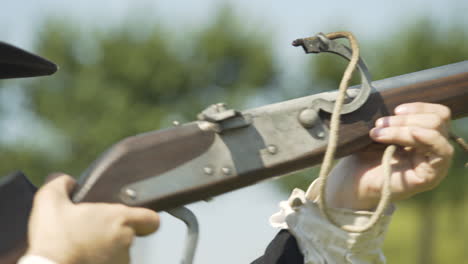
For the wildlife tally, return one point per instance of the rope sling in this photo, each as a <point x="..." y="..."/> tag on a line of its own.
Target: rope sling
<point x="333" y="141"/>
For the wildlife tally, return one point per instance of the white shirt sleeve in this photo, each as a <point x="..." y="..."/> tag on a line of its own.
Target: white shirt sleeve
<point x="30" y="259"/>
<point x="322" y="242"/>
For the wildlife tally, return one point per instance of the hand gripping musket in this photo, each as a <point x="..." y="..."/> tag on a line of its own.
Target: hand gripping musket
<point x="226" y="149"/>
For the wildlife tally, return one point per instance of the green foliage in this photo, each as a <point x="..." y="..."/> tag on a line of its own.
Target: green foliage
<point x="116" y="84"/>
<point x="450" y="230"/>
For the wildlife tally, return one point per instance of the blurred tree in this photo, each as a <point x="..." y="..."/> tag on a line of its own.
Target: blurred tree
<point x="120" y="83"/>
<point x="129" y="80"/>
<point x="419" y="47"/>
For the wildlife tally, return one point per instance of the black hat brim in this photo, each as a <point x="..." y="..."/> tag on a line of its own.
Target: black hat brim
<point x="18" y="63"/>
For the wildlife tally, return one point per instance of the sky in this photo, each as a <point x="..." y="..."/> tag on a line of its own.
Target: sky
<point x="234" y="226"/>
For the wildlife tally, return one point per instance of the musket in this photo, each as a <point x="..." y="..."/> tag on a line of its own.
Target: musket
<point x="226" y="149"/>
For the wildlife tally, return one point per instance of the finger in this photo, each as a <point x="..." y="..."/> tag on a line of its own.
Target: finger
<point x="60" y="187"/>
<point x="430" y="120"/>
<point x="437" y="143"/>
<point x="423" y="139"/>
<point x="421" y="108"/>
<point x="143" y="221"/>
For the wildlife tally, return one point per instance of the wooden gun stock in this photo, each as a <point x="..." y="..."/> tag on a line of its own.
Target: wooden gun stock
<point x="138" y="158"/>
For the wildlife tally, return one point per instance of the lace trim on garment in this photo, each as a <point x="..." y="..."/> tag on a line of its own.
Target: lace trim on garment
<point x="321" y="241"/>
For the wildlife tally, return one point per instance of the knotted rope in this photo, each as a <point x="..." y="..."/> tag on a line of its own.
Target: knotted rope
<point x="333" y="141"/>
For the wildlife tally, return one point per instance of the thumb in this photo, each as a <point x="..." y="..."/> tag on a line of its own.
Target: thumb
<point x="143" y="221"/>
<point x="58" y="185"/>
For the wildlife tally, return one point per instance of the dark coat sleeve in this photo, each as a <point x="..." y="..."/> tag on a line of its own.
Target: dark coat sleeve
<point x="16" y="197"/>
<point x="282" y="249"/>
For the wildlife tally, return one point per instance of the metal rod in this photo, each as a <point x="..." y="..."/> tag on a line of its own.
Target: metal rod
<point x="188" y="217"/>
